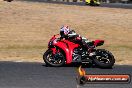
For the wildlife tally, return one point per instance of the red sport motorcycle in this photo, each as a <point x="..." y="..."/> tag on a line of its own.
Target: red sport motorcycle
<point x="63" y="51"/>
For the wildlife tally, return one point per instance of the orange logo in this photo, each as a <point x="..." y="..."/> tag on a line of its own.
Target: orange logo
<point x="84" y="78"/>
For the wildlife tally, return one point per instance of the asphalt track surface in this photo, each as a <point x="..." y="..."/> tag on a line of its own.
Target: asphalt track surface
<point x="108" y="5"/>
<point x="37" y="75"/>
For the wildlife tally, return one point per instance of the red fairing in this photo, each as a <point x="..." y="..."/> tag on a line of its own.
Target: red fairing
<point x="68" y="48"/>
<point x="54" y="50"/>
<point x="97" y="42"/>
<point x="54" y="37"/>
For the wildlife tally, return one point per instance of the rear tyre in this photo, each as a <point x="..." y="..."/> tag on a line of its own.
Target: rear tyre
<point x="104" y="59"/>
<point x="54" y="60"/>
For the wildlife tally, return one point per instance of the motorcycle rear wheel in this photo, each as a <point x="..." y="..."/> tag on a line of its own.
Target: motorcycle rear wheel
<point x="56" y="60"/>
<point x="104" y="58"/>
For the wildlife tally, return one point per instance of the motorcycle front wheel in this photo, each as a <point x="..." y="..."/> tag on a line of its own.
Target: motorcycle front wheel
<point x="103" y="58"/>
<point x="54" y="60"/>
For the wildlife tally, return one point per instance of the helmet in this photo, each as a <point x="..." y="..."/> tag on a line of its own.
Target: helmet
<point x="65" y="29"/>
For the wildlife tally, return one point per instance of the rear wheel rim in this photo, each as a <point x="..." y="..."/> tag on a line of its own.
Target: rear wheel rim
<point x="103" y="57"/>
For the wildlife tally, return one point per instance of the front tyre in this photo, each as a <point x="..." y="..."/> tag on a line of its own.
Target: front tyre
<point x="54" y="60"/>
<point x="104" y="58"/>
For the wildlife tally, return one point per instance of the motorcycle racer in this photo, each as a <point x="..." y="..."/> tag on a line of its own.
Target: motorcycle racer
<point x="72" y="48"/>
<point x="66" y="33"/>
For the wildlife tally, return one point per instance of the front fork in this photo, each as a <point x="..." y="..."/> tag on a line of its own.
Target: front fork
<point x="55" y="50"/>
